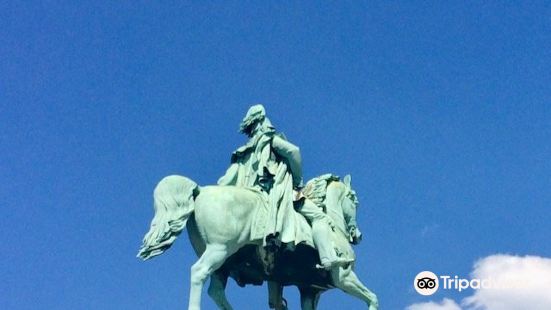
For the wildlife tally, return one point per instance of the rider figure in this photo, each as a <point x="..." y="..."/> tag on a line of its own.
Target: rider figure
<point x="268" y="162"/>
<point x="271" y="163"/>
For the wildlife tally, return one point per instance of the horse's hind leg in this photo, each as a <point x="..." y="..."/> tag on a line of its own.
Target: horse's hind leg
<point x="346" y="280"/>
<point x="213" y="257"/>
<point x="217" y="290"/>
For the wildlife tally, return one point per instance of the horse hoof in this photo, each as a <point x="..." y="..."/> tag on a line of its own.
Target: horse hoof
<point x="374" y="306"/>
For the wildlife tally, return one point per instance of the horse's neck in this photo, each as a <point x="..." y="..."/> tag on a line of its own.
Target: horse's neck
<point x="333" y="200"/>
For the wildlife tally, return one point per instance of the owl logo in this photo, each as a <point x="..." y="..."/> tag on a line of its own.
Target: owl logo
<point x="426" y="283"/>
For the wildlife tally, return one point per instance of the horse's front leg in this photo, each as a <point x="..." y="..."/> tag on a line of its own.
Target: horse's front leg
<point x="309" y="298"/>
<point x="346" y="280"/>
<point x="275" y="296"/>
<point x="217" y="289"/>
<point x="212" y="259"/>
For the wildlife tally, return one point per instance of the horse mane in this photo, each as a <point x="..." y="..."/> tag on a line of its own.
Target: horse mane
<point x="316" y="188"/>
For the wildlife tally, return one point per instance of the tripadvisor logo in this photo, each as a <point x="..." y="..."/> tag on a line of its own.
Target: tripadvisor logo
<point x="426" y="283"/>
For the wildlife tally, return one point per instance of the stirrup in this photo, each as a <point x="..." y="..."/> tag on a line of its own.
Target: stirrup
<point x="273" y="243"/>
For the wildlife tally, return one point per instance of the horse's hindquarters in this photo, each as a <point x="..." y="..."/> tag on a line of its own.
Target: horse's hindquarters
<point x="225" y="214"/>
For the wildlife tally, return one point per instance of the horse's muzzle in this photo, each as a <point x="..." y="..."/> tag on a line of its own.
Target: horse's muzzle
<point x="357" y="236"/>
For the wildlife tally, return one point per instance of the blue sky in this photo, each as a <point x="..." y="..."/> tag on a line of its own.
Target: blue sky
<point x="441" y="111"/>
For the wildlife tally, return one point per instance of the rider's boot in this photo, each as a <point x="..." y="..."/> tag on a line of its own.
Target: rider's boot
<point x="328" y="255"/>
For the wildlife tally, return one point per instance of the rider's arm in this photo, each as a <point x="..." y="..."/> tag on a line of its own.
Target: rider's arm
<point x="291" y="153"/>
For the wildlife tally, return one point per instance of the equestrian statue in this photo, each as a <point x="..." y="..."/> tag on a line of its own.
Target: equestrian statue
<point x="261" y="223"/>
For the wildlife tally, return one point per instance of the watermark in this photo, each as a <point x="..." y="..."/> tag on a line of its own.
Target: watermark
<point x="427" y="283"/>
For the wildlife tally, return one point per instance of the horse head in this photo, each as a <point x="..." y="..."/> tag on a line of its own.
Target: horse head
<point x="349" y="207"/>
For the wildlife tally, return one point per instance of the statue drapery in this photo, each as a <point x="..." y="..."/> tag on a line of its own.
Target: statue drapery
<point x="271" y="163"/>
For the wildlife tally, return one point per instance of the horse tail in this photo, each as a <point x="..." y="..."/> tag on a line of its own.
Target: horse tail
<point x="173" y="203"/>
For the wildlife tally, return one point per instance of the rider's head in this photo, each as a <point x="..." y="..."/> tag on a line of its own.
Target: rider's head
<point x="255" y="117"/>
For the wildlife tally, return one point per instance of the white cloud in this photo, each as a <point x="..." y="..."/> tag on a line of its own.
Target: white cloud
<point x="525" y="283"/>
<point x="520" y="282"/>
<point x="446" y="304"/>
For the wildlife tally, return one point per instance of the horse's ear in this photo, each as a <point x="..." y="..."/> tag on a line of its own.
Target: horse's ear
<point x="347" y="180"/>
